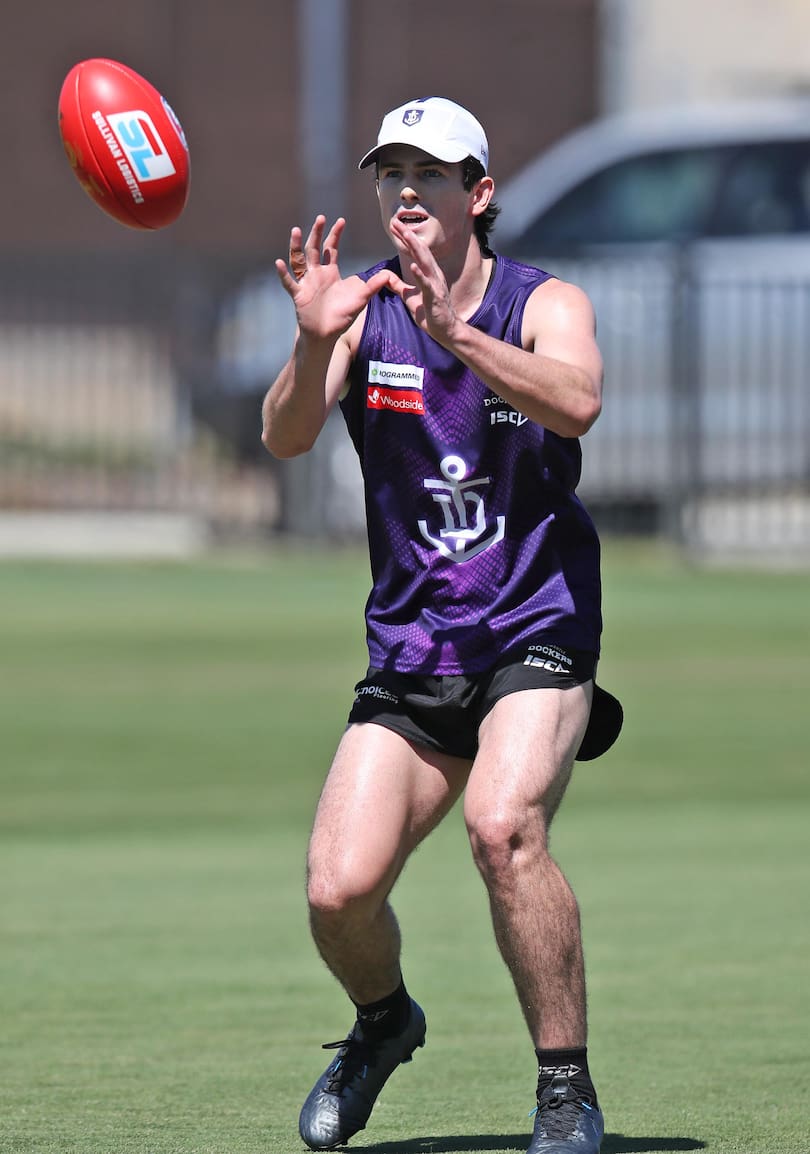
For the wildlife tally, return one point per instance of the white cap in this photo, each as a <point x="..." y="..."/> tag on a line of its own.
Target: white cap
<point x="439" y="127"/>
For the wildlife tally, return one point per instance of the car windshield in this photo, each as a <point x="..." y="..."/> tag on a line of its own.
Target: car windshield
<point x="659" y="196"/>
<point x="671" y="195"/>
<point x="765" y="191"/>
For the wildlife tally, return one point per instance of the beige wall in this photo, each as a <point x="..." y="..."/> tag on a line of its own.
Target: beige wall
<point x="671" y="51"/>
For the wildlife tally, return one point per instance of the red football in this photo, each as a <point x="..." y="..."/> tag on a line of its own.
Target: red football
<point x="124" y="143"/>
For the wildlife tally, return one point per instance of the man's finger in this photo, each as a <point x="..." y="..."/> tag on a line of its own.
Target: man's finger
<point x="387" y="278"/>
<point x="287" y="280"/>
<point x="332" y="242"/>
<point x="297" y="260"/>
<point x="312" y="249"/>
<point x="298" y="264"/>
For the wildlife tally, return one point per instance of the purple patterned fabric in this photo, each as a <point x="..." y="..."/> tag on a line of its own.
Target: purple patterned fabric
<point x="477" y="539"/>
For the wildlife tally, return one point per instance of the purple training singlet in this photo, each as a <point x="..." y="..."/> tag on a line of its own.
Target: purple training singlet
<point x="477" y="539"/>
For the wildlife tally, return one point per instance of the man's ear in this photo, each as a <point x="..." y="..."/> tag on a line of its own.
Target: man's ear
<point x="483" y="193"/>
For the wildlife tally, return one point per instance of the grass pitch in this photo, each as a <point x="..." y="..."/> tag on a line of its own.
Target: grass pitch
<point x="165" y="730"/>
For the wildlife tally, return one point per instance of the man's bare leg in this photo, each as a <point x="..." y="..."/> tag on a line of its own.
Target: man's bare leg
<point x="524" y="764"/>
<point x="381" y="798"/>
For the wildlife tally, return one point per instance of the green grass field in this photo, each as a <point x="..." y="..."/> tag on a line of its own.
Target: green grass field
<point x="165" y="729"/>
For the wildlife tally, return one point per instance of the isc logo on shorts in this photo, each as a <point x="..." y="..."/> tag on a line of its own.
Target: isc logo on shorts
<point x="548" y="657"/>
<point x="141" y="142"/>
<point x="544" y="663"/>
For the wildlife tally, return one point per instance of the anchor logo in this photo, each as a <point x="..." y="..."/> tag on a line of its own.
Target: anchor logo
<point x="465" y="533"/>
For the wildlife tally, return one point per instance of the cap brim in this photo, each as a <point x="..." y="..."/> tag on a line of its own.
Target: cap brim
<point x="459" y="154"/>
<point x="370" y="157"/>
<point x="604" y="725"/>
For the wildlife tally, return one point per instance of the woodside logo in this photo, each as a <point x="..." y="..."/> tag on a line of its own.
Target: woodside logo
<point x="395" y="400"/>
<point x="397" y="388"/>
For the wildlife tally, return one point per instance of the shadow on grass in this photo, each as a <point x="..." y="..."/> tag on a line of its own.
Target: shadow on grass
<point x="448" y="1144"/>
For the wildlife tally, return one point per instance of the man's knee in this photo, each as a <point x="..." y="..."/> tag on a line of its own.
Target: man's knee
<point x="502" y="840"/>
<point x="335" y="892"/>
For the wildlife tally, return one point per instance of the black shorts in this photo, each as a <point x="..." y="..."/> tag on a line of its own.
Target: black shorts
<point x="445" y="712"/>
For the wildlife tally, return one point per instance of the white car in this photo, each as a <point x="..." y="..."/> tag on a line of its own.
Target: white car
<point x="666" y="175"/>
<point x="690" y="230"/>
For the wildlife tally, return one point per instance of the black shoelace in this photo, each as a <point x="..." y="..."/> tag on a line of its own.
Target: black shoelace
<point x="353" y="1060"/>
<point x="560" y="1107"/>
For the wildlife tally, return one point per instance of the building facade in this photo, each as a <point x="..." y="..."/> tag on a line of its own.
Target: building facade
<point x="245" y="78"/>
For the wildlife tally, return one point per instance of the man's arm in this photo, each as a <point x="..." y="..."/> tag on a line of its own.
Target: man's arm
<point x="300" y="399"/>
<point x="329" y="310"/>
<point x="556" y="378"/>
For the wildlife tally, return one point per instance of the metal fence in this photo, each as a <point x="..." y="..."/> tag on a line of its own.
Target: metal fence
<point x="135" y="387"/>
<point x="705" y="431"/>
<point x="101" y="361"/>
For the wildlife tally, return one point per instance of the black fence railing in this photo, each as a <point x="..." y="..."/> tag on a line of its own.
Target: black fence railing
<point x="137" y="385"/>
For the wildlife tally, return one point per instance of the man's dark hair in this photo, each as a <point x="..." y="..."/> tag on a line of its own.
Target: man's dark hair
<point x="471" y="172"/>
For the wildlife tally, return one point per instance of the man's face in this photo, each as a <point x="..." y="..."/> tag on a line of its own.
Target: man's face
<point x="424" y="194"/>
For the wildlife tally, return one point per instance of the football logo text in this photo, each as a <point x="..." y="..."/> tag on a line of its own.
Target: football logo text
<point x="141" y="143"/>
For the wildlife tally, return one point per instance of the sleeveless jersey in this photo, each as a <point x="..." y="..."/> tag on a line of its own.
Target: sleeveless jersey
<point x="477" y="540"/>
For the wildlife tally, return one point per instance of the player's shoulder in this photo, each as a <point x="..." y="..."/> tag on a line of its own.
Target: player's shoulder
<point x="556" y="294"/>
<point x="544" y="284"/>
<point x="555" y="306"/>
<point x="519" y="272"/>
